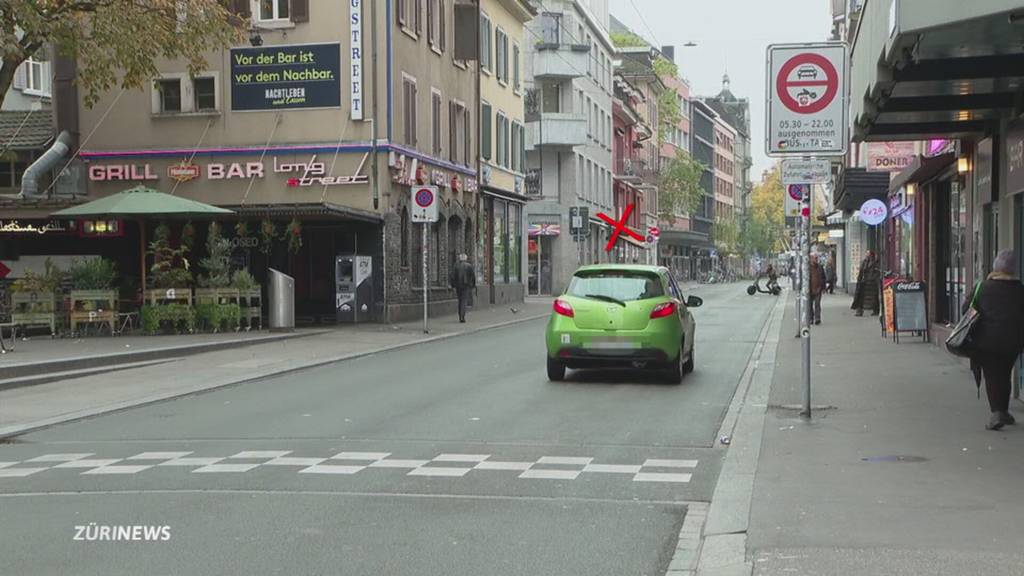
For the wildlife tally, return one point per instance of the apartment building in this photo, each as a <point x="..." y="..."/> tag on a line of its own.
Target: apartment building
<point x="568" y="137"/>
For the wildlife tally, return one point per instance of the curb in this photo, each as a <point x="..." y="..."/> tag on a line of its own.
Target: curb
<point x="16" y="430"/>
<point x="722" y="541"/>
<point x="112" y="360"/>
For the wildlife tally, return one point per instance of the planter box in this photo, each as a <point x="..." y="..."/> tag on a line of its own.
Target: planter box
<point x="155" y="297"/>
<point x="251" y="303"/>
<point x="93" y="306"/>
<point x="34" y="309"/>
<point x="216" y="296"/>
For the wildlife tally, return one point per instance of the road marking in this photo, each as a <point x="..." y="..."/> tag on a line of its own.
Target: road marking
<point x="329" y="469"/>
<point x="655" y="463"/>
<point x="567" y="460"/>
<point x="18" y="472"/>
<point x="6" y="464"/>
<point x="118" y="469"/>
<point x="262" y="454"/>
<point x="495" y="465"/>
<point x="439" y="471"/>
<point x="225" y="468"/>
<point x="661" y="477"/>
<point x="87" y="463"/>
<point x="551" y="474"/>
<point x="462" y="457"/>
<point x="59" y="457"/>
<point x="361" y="456"/>
<point x="158" y="455"/>
<point x="295" y="461"/>
<point x="190" y="462"/>
<point x="399" y="463"/>
<point x="612" y="468"/>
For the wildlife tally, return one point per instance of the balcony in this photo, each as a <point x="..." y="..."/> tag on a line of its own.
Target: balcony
<point x="557" y="130"/>
<point x="635" y="171"/>
<point x="560" y="61"/>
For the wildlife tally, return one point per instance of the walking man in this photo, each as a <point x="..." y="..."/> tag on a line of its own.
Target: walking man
<point x="463" y="279"/>
<point x="818" y="281"/>
<point x="830" y="274"/>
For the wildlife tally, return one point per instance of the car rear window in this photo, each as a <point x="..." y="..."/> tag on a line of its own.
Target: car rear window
<point x="624" y="285"/>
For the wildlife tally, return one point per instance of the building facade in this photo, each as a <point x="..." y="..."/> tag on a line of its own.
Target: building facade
<point x="630" y="134"/>
<point x="703" y="221"/>
<point x="314" y="135"/>
<point x="568" y="138"/>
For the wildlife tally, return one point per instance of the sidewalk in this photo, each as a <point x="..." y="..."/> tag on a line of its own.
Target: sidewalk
<point x="31" y="407"/>
<point x="833" y="497"/>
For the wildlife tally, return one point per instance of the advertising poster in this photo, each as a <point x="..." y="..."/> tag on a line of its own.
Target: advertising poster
<point x="286" y="77"/>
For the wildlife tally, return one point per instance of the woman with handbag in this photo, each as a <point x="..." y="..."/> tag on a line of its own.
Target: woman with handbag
<point x="997" y="337"/>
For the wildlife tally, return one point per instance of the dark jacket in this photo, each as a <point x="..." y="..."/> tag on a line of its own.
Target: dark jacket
<point x="817" y="278"/>
<point x="1001" y="327"/>
<point x="463" y="276"/>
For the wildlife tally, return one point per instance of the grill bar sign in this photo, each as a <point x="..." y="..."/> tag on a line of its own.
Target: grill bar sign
<point x="286" y="77"/>
<point x="796" y="171"/>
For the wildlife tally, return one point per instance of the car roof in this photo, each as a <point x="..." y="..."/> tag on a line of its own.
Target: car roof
<point x="622" y="267"/>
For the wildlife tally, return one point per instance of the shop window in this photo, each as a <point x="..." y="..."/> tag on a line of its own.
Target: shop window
<point x="205" y="92"/>
<point x="500" y="241"/>
<point x="515" y="239"/>
<point x="405" y="228"/>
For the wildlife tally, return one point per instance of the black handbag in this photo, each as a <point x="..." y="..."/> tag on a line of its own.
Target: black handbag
<point x="960" y="342"/>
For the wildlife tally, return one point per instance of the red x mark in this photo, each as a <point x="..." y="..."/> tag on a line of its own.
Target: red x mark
<point x="620" y="226"/>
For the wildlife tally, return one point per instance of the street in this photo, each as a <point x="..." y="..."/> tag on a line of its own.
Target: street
<point x="450" y="457"/>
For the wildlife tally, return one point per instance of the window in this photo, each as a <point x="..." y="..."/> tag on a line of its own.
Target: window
<point x="501" y="148"/>
<point x="516" y="74"/>
<point x="12" y="166"/>
<point x="485" y="131"/>
<point x="435" y="122"/>
<point x="418" y="16"/>
<point x="441" y="26"/>
<point x="409" y="108"/>
<point x="516" y="146"/>
<point x="431" y="23"/>
<point x="170" y="94"/>
<point x="485" y="44"/>
<point x="501" y="56"/>
<point x="33" y="77"/>
<point x="467" y="135"/>
<point x="274" y="10"/>
<point x="500" y="241"/>
<point x="402" y="11"/>
<point x="515" y="240"/>
<point x="205" y="93"/>
<point x="550" y="24"/>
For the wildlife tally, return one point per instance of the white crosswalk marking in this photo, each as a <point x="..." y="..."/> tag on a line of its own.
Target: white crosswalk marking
<point x="262" y="454"/>
<point x="225" y="468"/>
<point x="565" y="460"/>
<point x="19" y="472"/>
<point x="394" y="463"/>
<point x="654" y="463"/>
<point x="462" y="457"/>
<point x="158" y="455"/>
<point x="292" y="461"/>
<point x="87" y="463"/>
<point x="551" y="474"/>
<point x="439" y="471"/>
<point x="330" y="469"/>
<point x="59" y="457"/>
<point x="612" y="468"/>
<point x="115" y="469"/>
<point x="495" y="465"/>
<point x="661" y="477"/>
<point x="361" y="456"/>
<point x="190" y="462"/>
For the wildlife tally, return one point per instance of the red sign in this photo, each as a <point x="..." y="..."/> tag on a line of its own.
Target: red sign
<point x="4" y="270"/>
<point x="807" y="83"/>
<point x="654" y="231"/>
<point x="620" y="226"/>
<point x="183" y="172"/>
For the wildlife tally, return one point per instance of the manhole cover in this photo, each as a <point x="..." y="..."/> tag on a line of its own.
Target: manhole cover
<point x="894" y="459"/>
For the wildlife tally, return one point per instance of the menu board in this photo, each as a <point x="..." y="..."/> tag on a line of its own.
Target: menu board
<point x="910" y="306"/>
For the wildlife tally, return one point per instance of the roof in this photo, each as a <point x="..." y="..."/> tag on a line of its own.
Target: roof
<point x="25" y="129"/>
<point x="623" y="267"/>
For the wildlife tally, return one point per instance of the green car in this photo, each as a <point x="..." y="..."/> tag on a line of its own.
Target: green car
<point x="615" y="315"/>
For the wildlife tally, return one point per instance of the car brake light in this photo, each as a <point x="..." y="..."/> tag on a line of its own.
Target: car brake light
<point x="562" y="307"/>
<point x="662" y="310"/>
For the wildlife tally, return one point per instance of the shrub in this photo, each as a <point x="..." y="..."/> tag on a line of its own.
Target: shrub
<point x="242" y="280"/>
<point x="219" y="316"/>
<point x="218" y="260"/>
<point x="93" y="274"/>
<point x="177" y="315"/>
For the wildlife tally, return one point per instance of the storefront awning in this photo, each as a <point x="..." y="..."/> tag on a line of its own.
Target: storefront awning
<point x="684" y="238"/>
<point x="921" y="169"/>
<point x="300" y="210"/>
<point x="858" y="185"/>
<point x="504" y="194"/>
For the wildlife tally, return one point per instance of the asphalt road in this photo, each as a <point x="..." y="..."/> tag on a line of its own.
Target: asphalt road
<point x="450" y="458"/>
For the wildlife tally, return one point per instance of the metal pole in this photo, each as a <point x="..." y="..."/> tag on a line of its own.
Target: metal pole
<point x="426" y="280"/>
<point x="805" y="290"/>
<point x="797" y="272"/>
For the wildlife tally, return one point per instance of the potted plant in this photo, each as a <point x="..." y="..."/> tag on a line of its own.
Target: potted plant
<point x="294" y="236"/>
<point x="216" y="300"/>
<point x="168" y="297"/>
<point x="33" y="298"/>
<point x="268" y="233"/>
<point x="92" y="296"/>
<point x="250" y="297"/>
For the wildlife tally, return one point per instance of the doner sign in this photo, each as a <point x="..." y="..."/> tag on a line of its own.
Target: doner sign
<point x="807" y="100"/>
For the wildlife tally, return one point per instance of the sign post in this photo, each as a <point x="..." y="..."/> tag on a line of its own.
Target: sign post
<point x="424" y="210"/>
<point x="808" y="108"/>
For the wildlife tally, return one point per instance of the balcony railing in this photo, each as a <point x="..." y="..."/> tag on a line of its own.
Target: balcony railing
<point x="560" y="61"/>
<point x="557" y="129"/>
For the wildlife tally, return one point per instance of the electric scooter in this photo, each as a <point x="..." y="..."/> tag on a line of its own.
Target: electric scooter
<point x="755" y="288"/>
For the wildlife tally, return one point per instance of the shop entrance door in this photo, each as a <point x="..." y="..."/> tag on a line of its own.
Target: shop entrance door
<point x="540" y="251"/>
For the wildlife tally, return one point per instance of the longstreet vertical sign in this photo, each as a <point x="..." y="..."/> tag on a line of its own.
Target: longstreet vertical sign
<point x="356" y="54"/>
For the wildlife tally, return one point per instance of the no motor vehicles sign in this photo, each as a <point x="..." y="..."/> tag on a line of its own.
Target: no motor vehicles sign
<point x="807" y="99"/>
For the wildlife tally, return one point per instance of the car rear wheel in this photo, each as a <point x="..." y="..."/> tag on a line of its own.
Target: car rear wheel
<point x="556" y="370"/>
<point x="688" y="366"/>
<point x="674" y="374"/>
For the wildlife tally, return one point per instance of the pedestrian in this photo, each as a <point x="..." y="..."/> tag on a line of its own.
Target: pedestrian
<point x="830" y="274"/>
<point x="817" y="288"/>
<point x="866" y="296"/>
<point x="998" y="337"/>
<point x="773" y="278"/>
<point x="463" y="279"/>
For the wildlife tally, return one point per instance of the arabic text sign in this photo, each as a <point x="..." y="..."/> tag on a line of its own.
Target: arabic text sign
<point x="16" y="227"/>
<point x="807" y="101"/>
<point x="796" y="171"/>
<point x="283" y="77"/>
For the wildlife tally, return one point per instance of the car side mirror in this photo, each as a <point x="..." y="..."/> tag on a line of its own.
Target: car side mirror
<point x="694" y="302"/>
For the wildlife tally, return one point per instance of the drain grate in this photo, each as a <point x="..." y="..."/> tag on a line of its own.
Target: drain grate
<point x="894" y="458"/>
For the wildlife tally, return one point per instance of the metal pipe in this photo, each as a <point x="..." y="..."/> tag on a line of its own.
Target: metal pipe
<point x="30" y="180"/>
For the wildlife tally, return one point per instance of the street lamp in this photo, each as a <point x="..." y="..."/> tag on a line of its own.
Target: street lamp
<point x="254" y="38"/>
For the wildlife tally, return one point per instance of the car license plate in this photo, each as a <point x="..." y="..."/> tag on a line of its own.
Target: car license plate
<point x="611" y="343"/>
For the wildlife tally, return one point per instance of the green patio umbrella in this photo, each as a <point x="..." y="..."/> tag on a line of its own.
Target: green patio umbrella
<point x="141" y="203"/>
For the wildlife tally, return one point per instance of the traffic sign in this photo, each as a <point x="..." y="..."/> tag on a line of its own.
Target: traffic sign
<point x="654" y="231"/>
<point x="798" y="171"/>
<point x="424" y="203"/>
<point x="794" y="198"/>
<point x="807" y="99"/>
<point x="579" y="221"/>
